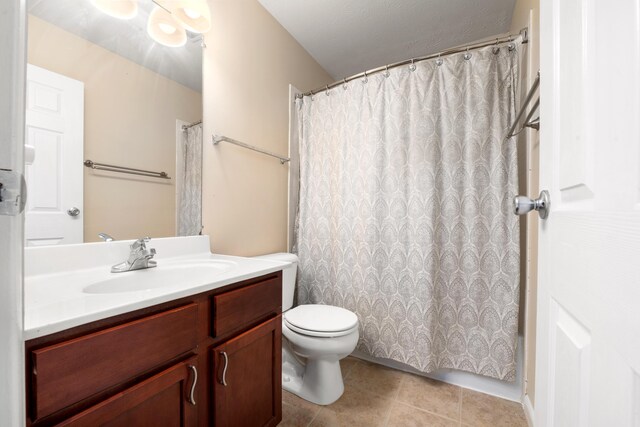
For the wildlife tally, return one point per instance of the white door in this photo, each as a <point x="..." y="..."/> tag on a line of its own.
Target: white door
<point x="54" y="127"/>
<point x="12" y="51"/>
<point x="588" y="342"/>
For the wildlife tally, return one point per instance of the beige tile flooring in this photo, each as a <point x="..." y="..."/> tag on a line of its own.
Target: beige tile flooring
<point x="378" y="396"/>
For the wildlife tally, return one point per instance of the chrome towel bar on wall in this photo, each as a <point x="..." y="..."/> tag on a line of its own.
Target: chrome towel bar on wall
<point x="220" y="138"/>
<point x="112" y="168"/>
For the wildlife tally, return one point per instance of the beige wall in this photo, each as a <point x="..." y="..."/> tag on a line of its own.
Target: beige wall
<point x="249" y="62"/>
<point x="130" y="120"/>
<point x="527" y="14"/>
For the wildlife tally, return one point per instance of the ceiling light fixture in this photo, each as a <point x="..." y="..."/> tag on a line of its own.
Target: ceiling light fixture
<point x="164" y="29"/>
<point x="167" y="21"/>
<point x="121" y="9"/>
<point x="194" y="15"/>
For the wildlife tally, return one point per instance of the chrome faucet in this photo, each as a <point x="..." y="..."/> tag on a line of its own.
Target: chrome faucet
<point x="139" y="258"/>
<point x="105" y="237"/>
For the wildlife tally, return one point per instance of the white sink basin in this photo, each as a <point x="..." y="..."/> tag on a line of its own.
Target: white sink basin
<point x="187" y="273"/>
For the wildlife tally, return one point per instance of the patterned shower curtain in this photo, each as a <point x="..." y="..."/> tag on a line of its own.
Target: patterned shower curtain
<point x="190" y="200"/>
<point x="405" y="213"/>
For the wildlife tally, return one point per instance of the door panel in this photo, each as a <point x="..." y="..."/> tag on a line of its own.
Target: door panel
<point x="574" y="150"/>
<point x="570" y="350"/>
<point x="588" y="346"/>
<point x="162" y="400"/>
<point x="54" y="127"/>
<point x="247" y="378"/>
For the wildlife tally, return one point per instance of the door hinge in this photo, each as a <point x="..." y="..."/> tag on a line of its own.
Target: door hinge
<point x="13" y="192"/>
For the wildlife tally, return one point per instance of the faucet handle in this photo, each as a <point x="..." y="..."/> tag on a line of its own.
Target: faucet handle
<point x="140" y="243"/>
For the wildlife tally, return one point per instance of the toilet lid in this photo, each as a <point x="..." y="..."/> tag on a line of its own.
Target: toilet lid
<point x="320" y="318"/>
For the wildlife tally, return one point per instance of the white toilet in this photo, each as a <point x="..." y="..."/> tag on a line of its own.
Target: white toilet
<point x="315" y="338"/>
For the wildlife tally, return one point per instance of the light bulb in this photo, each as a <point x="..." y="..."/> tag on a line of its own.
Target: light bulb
<point x="193" y="14"/>
<point x="166" y="28"/>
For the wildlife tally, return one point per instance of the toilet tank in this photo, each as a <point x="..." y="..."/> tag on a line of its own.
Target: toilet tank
<point x="288" y="276"/>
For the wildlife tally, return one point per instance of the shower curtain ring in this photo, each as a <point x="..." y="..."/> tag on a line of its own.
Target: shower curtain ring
<point x="467" y="55"/>
<point x="412" y="67"/>
<point x="365" y="80"/>
<point x="439" y="61"/>
<point x="344" y="84"/>
<point x="496" y="49"/>
<point x="326" y="90"/>
<point x="386" y="71"/>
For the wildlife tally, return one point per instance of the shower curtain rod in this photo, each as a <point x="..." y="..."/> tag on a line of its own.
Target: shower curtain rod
<point x="185" y="127"/>
<point x="523" y="32"/>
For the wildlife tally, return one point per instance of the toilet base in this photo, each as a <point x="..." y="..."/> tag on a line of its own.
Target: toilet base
<point x="319" y="381"/>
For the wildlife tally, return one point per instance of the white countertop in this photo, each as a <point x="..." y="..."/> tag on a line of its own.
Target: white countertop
<point x="56" y="276"/>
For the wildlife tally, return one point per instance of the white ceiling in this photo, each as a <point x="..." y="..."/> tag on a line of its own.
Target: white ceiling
<point x="347" y="37"/>
<point x="127" y="38"/>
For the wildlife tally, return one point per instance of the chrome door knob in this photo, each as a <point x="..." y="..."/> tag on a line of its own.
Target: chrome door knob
<point x="523" y="204"/>
<point x="73" y="211"/>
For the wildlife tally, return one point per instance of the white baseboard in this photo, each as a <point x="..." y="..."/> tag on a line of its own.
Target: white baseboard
<point x="505" y="390"/>
<point x="528" y="411"/>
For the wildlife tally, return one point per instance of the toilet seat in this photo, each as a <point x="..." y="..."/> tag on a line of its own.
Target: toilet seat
<point x="317" y="320"/>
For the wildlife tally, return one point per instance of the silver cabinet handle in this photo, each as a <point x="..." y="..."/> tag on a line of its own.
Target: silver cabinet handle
<point x="73" y="211"/>
<point x="192" y="400"/>
<point x="224" y="371"/>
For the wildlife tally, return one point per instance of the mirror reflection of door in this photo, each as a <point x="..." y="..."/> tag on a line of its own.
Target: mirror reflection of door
<point x="54" y="128"/>
<point x="135" y="91"/>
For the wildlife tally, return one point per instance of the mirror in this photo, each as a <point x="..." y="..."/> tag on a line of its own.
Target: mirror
<point x="101" y="90"/>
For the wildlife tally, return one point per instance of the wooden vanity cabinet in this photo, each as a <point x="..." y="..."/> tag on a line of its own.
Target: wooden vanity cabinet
<point x="161" y="366"/>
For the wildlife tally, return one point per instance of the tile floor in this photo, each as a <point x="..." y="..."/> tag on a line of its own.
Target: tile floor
<point x="378" y="396"/>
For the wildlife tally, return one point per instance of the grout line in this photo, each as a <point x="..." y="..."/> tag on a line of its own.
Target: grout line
<point x="428" y="411"/>
<point x="397" y="400"/>
<point x="314" y="417"/>
<point x="387" y="417"/>
<point x="402" y="378"/>
<point x="394" y="401"/>
<point x="350" y="369"/>
<point x="460" y="407"/>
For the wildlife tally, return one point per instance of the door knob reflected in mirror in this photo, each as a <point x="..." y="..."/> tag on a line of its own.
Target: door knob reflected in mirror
<point x="523" y="204"/>
<point x="73" y="211"/>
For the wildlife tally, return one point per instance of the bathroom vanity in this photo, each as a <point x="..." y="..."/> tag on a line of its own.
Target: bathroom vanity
<point x="203" y="354"/>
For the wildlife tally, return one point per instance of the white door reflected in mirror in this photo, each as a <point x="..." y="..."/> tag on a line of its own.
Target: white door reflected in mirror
<point x="54" y="128"/>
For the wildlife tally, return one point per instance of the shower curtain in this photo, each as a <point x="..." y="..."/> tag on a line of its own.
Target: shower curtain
<point x="190" y="191"/>
<point x="404" y="213"/>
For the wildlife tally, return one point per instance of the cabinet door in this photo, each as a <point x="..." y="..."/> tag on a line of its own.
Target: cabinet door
<point x="247" y="378"/>
<point x="166" y="399"/>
